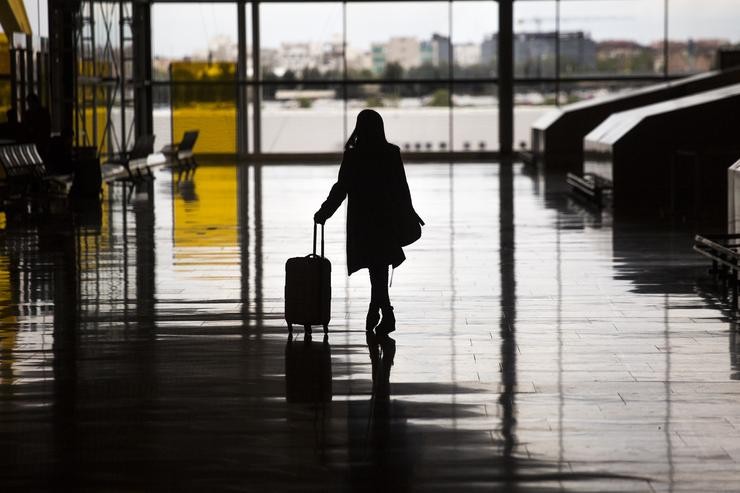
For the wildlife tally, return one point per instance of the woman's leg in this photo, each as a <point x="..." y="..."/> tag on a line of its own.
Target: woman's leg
<point x="376" y="297"/>
<point x="379" y="294"/>
<point x="379" y="286"/>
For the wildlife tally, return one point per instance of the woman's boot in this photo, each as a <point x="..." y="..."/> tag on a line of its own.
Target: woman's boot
<point x="373" y="317"/>
<point x="388" y="323"/>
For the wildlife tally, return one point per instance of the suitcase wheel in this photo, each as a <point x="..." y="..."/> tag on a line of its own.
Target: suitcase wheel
<point x="307" y="328"/>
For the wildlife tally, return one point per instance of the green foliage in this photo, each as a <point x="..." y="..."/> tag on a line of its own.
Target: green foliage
<point x="374" y="101"/>
<point x="305" y="102"/>
<point x="440" y="97"/>
<point x="429" y="71"/>
<point x="393" y="71"/>
<point x="642" y="62"/>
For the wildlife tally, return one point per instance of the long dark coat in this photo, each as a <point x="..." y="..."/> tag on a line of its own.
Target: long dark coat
<point x="378" y="194"/>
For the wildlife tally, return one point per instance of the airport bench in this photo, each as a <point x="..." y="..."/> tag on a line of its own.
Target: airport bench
<point x="724" y="252"/>
<point x="590" y="186"/>
<point x="181" y="154"/>
<point x="134" y="162"/>
<point x="25" y="172"/>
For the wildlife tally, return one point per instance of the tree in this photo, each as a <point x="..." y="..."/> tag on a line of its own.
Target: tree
<point x="289" y="76"/>
<point x="393" y="71"/>
<point x="441" y="97"/>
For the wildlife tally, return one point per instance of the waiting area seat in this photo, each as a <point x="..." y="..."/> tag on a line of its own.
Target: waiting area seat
<point x="181" y="154"/>
<point x="134" y="162"/>
<point x="557" y="137"/>
<point x="24" y="172"/>
<point x="724" y="252"/>
<point x="638" y="150"/>
<point x="589" y="186"/>
<point x="724" y="249"/>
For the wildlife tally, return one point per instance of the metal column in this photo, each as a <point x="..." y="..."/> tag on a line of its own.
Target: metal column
<point x="142" y="68"/>
<point x="256" y="75"/>
<point x="242" y="99"/>
<point x="62" y="28"/>
<point x="506" y="76"/>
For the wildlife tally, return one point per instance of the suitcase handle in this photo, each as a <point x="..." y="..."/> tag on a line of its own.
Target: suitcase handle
<point x="314" y="239"/>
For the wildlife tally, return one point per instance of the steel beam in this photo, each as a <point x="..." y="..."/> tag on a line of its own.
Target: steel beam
<point x="256" y="75"/>
<point x="506" y="76"/>
<point x="13" y="17"/>
<point x="242" y="99"/>
<point x="142" y="46"/>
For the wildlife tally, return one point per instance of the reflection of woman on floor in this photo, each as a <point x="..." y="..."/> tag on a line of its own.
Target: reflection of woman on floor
<point x="380" y="216"/>
<point x="382" y="452"/>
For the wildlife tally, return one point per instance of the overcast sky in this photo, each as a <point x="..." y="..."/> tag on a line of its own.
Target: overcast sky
<point x="641" y="20"/>
<point x="182" y="29"/>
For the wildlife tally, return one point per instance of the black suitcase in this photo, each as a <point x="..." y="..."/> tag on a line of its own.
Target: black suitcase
<point x="308" y="289"/>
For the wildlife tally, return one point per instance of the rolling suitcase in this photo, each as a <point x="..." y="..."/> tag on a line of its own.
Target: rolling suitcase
<point x="308" y="289"/>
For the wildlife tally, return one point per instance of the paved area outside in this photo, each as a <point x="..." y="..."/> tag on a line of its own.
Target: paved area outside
<point x="541" y="346"/>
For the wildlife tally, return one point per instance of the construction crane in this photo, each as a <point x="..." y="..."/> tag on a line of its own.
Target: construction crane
<point x="538" y="20"/>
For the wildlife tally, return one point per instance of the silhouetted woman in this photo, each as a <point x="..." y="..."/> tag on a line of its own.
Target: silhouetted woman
<point x="380" y="216"/>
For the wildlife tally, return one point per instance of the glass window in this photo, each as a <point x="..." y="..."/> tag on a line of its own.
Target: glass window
<point x="475" y="117"/>
<point x="619" y="37"/>
<point x="531" y="100"/>
<point x="474" y="28"/>
<point x="294" y="49"/>
<point x="304" y="55"/>
<point x="398" y="40"/>
<point x="298" y="118"/>
<point x="534" y="38"/>
<point x="416" y="116"/>
<point x="201" y="68"/>
<point x="696" y="33"/>
<point x="203" y="97"/>
<point x="211" y="34"/>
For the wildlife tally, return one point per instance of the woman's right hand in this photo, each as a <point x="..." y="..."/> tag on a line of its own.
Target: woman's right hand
<point x="320" y="217"/>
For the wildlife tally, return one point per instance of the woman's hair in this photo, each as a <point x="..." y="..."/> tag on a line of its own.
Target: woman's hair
<point x="369" y="132"/>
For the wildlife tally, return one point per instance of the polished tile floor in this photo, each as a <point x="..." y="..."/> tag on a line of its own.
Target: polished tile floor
<point x="541" y="346"/>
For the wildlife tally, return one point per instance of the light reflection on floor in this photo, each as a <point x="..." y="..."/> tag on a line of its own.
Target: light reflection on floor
<point x="541" y="346"/>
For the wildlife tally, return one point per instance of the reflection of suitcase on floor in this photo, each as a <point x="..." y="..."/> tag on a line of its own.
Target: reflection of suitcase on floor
<point x="308" y="289"/>
<point x="308" y="370"/>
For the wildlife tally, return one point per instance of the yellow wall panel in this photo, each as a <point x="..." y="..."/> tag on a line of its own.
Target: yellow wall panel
<point x="216" y="123"/>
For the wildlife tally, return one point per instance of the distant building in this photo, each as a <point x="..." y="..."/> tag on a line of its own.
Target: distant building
<point x="377" y="56"/>
<point x="426" y="53"/>
<point x="222" y="48"/>
<point x="489" y="50"/>
<point x="624" y="56"/>
<point x="535" y="52"/>
<point x="577" y="50"/>
<point x="690" y="56"/>
<point x="332" y="55"/>
<point x="298" y="56"/>
<point x="359" y="60"/>
<point x="618" y="49"/>
<point x="466" y="54"/>
<point x="441" y="45"/>
<point x="404" y="50"/>
<point x="268" y="60"/>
